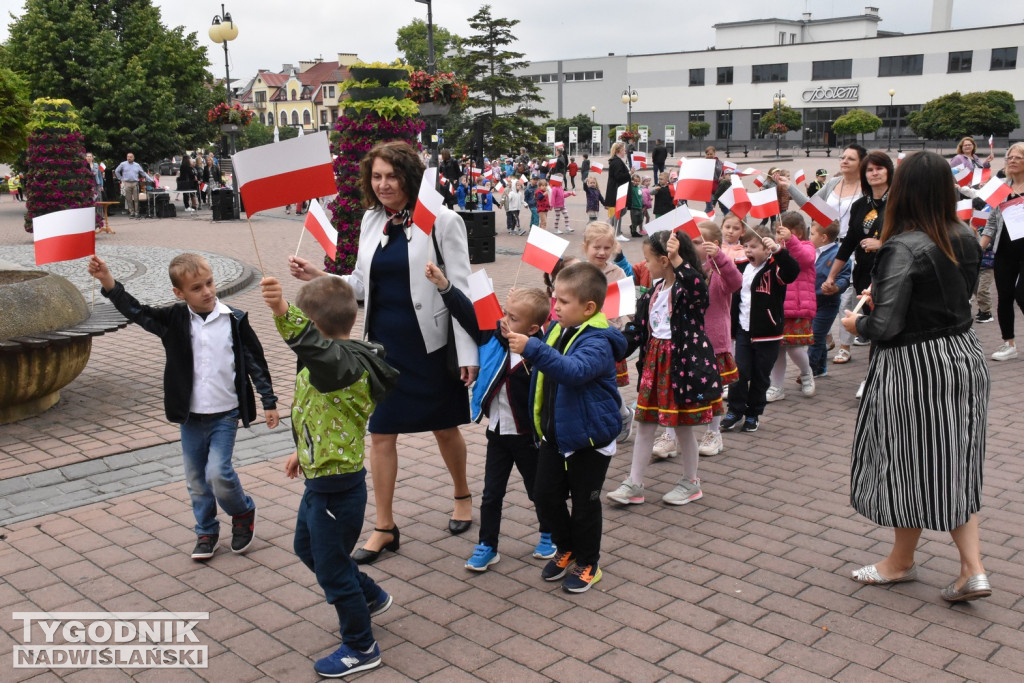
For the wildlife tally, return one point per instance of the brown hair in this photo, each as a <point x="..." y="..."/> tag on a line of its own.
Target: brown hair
<point x="330" y="303"/>
<point x="750" y="235"/>
<point x="922" y="198"/>
<point x="403" y="159"/>
<point x="875" y="158"/>
<point x="549" y="280"/>
<point x="710" y="229"/>
<point x="536" y="301"/>
<point x="796" y="223"/>
<point x="586" y="282"/>
<point x="831" y="231"/>
<point x="960" y="145"/>
<point x="186" y="264"/>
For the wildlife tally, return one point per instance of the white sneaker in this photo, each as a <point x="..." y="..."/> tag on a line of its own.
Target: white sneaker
<point x="807" y="387"/>
<point x="684" y="492"/>
<point x="568" y="229"/>
<point x="558" y="232"/>
<point x="664" y="446"/>
<point x="860" y="390"/>
<point x="774" y="394"/>
<point x="725" y="393"/>
<point x="711" y="444"/>
<point x="1005" y="352"/>
<point x="627" y="414"/>
<point x="622" y="238"/>
<point x="629" y="493"/>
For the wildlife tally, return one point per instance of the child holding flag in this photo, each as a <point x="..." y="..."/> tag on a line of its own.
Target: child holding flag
<point x="558" y="206"/>
<point x="543" y="199"/>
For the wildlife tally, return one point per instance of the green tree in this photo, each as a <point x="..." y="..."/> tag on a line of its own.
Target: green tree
<point x="15" y="109"/>
<point x="256" y="134"/>
<point x="412" y="43"/>
<point x="787" y="116"/>
<point x="856" y="121"/>
<point x="699" y="129"/>
<point x="488" y="67"/>
<point x="952" y="116"/>
<point x="137" y="85"/>
<point x="581" y="122"/>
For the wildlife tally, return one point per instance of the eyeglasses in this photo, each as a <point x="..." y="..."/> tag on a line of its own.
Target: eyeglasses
<point x="1015" y="158"/>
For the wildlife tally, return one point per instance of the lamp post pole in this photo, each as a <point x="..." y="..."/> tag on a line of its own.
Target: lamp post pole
<point x="223" y="30"/>
<point x="629" y="96"/>
<point x="431" y="68"/>
<point x="892" y="119"/>
<point x="780" y="101"/>
<point x="728" y="131"/>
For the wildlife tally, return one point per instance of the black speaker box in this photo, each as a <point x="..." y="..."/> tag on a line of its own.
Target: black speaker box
<point x="167" y="210"/>
<point x="478" y="223"/>
<point x="222" y="203"/>
<point x="481" y="249"/>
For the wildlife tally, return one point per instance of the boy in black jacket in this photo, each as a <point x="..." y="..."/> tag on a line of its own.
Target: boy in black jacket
<point x="212" y="353"/>
<point x="757" y="324"/>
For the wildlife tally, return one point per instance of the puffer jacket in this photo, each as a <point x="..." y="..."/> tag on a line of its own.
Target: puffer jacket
<point x="801" y="300"/>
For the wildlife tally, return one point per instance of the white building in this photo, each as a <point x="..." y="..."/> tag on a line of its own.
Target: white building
<point x="823" y="68"/>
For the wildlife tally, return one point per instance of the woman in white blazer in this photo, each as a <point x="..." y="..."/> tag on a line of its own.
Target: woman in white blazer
<point x="399" y="301"/>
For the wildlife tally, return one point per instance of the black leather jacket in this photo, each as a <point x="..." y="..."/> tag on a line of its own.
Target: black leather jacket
<point x="918" y="293"/>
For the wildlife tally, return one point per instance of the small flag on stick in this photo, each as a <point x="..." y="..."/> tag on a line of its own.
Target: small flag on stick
<point x="620" y="300"/>
<point x="543" y="250"/>
<point x="485" y="301"/>
<point x="64" y="235"/>
<point x="428" y="202"/>
<point x="995" y="192"/>
<point x="319" y="226"/>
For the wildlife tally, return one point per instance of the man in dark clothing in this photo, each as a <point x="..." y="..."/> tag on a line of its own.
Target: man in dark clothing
<point x="658" y="158"/>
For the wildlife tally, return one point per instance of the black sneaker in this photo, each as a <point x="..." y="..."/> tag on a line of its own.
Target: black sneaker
<point x="731" y="421"/>
<point x="206" y="546"/>
<point x="984" y="317"/>
<point x="243" y="531"/>
<point x="557" y="566"/>
<point x="749" y="425"/>
<point x="861" y="341"/>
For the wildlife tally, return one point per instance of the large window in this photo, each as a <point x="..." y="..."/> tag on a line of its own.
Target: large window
<point x="901" y="65"/>
<point x="724" y="128"/>
<point x="895" y="118"/>
<point x="831" y="69"/>
<point x="770" y="73"/>
<point x="696" y="77"/>
<point x="960" y="62"/>
<point x="724" y="75"/>
<point x="571" y="76"/>
<point x="1004" y="58"/>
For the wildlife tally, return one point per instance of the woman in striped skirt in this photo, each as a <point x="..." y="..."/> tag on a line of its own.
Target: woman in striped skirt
<point x="919" y="445"/>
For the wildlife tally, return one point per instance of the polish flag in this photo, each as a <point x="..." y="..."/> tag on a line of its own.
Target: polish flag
<point x="559" y="145"/>
<point x="736" y="198"/>
<point x="428" y="202"/>
<point x="481" y="191"/>
<point x="900" y="157"/>
<point x="596" y="168"/>
<point x="819" y="210"/>
<point x="979" y="218"/>
<point x="498" y="187"/>
<point x="962" y="176"/>
<point x="679" y="218"/>
<point x="524" y="179"/>
<point x="489" y="173"/>
<point x="728" y="166"/>
<point x="995" y="192"/>
<point x="319" y="226"/>
<point x="799" y="177"/>
<point x="64" y="235"/>
<point x="485" y="301"/>
<point x="639" y="160"/>
<point x="202" y="187"/>
<point x="759" y="180"/>
<point x="964" y="210"/>
<point x="620" y="300"/>
<point x="288" y="172"/>
<point x="543" y="250"/>
<point x="750" y="170"/>
<point x="980" y="176"/>
<point x="696" y="180"/>
<point x="991" y="142"/>
<point x="474" y="172"/>
<point x="555" y="181"/>
<point x="620" y="198"/>
<point x="699" y="216"/>
<point x="764" y="204"/>
<point x="103" y="167"/>
<point x="551" y="162"/>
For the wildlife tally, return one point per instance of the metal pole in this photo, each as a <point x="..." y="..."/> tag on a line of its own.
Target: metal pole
<point x="892" y="118"/>
<point x="431" y="65"/>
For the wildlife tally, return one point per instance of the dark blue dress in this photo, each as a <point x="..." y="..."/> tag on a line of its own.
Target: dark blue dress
<point x="427" y="398"/>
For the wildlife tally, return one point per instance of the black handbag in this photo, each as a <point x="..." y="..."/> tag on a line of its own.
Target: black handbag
<point x="451" y="351"/>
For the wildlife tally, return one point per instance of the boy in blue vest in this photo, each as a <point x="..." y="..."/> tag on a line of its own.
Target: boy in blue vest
<point x="575" y="405"/>
<point x="502" y="392"/>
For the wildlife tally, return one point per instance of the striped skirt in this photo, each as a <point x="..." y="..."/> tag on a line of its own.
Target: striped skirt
<point x="919" y="444"/>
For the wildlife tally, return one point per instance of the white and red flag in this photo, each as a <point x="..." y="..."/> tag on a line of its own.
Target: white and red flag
<point x="964" y="210"/>
<point x="523" y="178"/>
<point x="620" y="198"/>
<point x="555" y="181"/>
<point x="103" y="167"/>
<point x="700" y="216"/>
<point x="980" y="176"/>
<point x="596" y="168"/>
<point x="900" y="157"/>
<point x="799" y="177"/>
<point x="979" y="218"/>
<point x="559" y="145"/>
<point x="489" y="173"/>
<point x="485" y="301"/>
<point x="759" y="180"/>
<point x="679" y="218"/>
<point x="728" y="166"/>
<point x="750" y="170"/>
<point x="551" y="162"/>
<point x="620" y="299"/>
<point x="991" y="142"/>
<point x="962" y="175"/>
<point x="543" y="250"/>
<point x="995" y="192"/>
<point x="474" y="172"/>
<point x="764" y="204"/>
<point x="639" y="160"/>
<point x="736" y="199"/>
<point x="819" y="210"/>
<point x="319" y="226"/>
<point x="498" y="187"/>
<point x="288" y="172"/>
<point x="64" y="235"/>
<point x="428" y="202"/>
<point x="696" y="180"/>
<point x="202" y="187"/>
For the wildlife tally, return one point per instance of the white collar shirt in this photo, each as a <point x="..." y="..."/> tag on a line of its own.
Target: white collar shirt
<point x="213" y="362"/>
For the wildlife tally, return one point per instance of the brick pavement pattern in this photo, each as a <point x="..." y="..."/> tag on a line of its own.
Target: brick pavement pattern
<point x="748" y="583"/>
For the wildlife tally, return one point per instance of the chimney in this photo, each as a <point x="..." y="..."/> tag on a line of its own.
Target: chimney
<point x="286" y="68"/>
<point x="806" y="17"/>
<point x="942" y="15"/>
<point x="872" y="11"/>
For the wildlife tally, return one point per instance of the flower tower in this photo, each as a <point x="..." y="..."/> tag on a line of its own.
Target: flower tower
<point x="377" y="111"/>
<point x="57" y="177"/>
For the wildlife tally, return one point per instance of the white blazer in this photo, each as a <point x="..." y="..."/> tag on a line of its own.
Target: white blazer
<point x="431" y="312"/>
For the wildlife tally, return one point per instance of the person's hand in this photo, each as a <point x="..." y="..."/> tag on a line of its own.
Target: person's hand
<point x="302" y="269"/>
<point x="849" y="322"/>
<point x="516" y="341"/>
<point x="291" y="466"/>
<point x="870" y="244"/>
<point x="990" y="158"/>
<point x="273" y="418"/>
<point x="783" y="233"/>
<point x="869" y="301"/>
<point x="829" y="287"/>
<point x="436" y="276"/>
<point x="710" y="249"/>
<point x="770" y="244"/>
<point x="98" y="269"/>
<point x="468" y="373"/>
<point x="782" y="181"/>
<point x="273" y="296"/>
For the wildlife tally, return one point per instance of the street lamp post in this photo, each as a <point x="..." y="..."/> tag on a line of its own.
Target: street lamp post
<point x="593" y="114"/>
<point x="629" y="96"/>
<point x="892" y="119"/>
<point x="779" y="101"/>
<point x="431" y="64"/>
<point x="728" y="131"/>
<point x="223" y="30"/>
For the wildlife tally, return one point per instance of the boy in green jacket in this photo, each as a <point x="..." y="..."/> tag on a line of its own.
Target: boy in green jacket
<point x="337" y="386"/>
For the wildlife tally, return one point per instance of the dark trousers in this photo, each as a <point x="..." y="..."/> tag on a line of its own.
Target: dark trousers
<point x="503" y="451"/>
<point x="755" y="361"/>
<point x="1008" y="270"/>
<point x="511" y="220"/>
<point x="822" y="323"/>
<point x="326" y="532"/>
<point x="636" y="221"/>
<point x="581" y="478"/>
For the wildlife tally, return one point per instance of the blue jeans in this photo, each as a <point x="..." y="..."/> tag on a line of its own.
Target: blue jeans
<point x="326" y="532"/>
<point x="207" y="443"/>
<point x="822" y="323"/>
<point x="534" y="216"/>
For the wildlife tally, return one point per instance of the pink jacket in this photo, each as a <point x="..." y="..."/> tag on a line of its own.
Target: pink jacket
<point x="557" y="197"/>
<point x="801" y="300"/>
<point x="724" y="278"/>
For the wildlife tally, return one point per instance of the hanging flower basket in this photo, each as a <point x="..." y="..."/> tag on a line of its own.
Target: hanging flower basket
<point x="434" y="109"/>
<point x="441" y="88"/>
<point x="235" y="114"/>
<point x="383" y="76"/>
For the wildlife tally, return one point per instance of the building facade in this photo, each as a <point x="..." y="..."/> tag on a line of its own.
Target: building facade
<point x="304" y="97"/>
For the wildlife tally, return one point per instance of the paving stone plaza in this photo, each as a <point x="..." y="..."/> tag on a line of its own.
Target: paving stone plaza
<point x="749" y="583"/>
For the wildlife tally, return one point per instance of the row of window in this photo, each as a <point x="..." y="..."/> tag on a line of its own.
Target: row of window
<point x="569" y="77"/>
<point x="837" y="69"/>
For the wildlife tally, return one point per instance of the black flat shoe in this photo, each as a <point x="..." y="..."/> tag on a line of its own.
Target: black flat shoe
<point x="460" y="526"/>
<point x="365" y="556"/>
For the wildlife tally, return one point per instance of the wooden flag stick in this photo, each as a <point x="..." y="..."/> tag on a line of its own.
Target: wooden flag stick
<point x="92" y="306"/>
<point x="303" y="232"/>
<point x="860" y="304"/>
<point x="516" y="281"/>
<point x="248" y="220"/>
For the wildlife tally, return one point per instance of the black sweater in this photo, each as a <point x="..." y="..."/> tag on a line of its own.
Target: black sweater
<point x="768" y="297"/>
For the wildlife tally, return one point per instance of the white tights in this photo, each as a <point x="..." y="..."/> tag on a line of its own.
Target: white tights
<point x="798" y="354"/>
<point x="643" y="444"/>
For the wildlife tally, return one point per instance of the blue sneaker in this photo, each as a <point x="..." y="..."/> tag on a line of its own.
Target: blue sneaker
<point x="731" y="421"/>
<point x="545" y="549"/>
<point x="483" y="557"/>
<point x="345" y="660"/>
<point x="381" y="605"/>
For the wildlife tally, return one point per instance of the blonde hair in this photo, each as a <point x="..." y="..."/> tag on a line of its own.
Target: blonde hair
<point x="592" y="182"/>
<point x="710" y="230"/>
<point x="187" y="264"/>
<point x="731" y="216"/>
<point x="596" y="230"/>
<point x="536" y="301"/>
<point x="542" y="183"/>
<point x="1019" y="147"/>
<point x="617" y="147"/>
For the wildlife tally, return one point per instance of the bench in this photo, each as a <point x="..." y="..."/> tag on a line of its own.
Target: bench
<point x="910" y="144"/>
<point x="827" y="150"/>
<point x="728" y="150"/>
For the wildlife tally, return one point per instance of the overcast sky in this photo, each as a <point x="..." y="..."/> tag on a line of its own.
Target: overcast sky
<point x="275" y="32"/>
